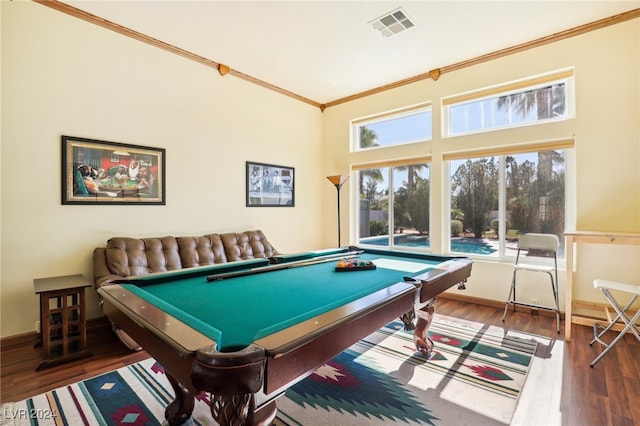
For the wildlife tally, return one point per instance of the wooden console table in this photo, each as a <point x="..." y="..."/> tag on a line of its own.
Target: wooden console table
<point x="592" y="237"/>
<point x="63" y="321"/>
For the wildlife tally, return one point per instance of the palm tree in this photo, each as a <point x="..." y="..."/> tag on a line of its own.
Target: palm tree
<point x="368" y="139"/>
<point x="548" y="102"/>
<point x="413" y="172"/>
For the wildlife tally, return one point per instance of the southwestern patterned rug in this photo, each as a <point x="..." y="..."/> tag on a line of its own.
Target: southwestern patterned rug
<point x="473" y="377"/>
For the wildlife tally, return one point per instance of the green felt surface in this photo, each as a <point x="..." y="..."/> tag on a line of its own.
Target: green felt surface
<point x="236" y="311"/>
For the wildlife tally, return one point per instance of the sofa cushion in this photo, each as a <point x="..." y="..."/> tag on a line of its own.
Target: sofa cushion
<point x="141" y="256"/>
<point x="201" y="251"/>
<point x="247" y="245"/>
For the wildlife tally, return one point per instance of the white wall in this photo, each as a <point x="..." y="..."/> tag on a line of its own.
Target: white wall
<point x="607" y="153"/>
<point x="61" y="75"/>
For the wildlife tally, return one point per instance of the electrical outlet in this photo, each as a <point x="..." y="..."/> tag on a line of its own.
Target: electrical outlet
<point x="37" y="326"/>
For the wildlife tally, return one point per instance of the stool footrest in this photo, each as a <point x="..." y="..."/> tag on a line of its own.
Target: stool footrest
<point x="532" y="305"/>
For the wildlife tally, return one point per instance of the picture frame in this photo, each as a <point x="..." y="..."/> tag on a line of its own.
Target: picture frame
<point x="101" y="172"/>
<point x="270" y="185"/>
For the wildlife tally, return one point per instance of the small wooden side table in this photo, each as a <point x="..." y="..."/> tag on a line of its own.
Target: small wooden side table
<point x="63" y="321"/>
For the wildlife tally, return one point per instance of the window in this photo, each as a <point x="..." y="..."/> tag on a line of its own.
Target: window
<point x="398" y="195"/>
<point x="496" y="198"/>
<point x="532" y="101"/>
<point x="396" y="128"/>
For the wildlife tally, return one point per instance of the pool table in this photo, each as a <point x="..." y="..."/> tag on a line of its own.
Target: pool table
<point x="246" y="331"/>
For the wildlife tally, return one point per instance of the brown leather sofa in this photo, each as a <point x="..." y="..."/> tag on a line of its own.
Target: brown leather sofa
<point x="125" y="257"/>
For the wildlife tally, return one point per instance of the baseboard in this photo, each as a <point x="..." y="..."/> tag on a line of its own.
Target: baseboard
<point x="496" y="304"/>
<point x="471" y="299"/>
<point x="32" y="337"/>
<point x="587" y="317"/>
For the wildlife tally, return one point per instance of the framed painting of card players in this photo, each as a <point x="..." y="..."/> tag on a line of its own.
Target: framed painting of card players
<point x="101" y="172"/>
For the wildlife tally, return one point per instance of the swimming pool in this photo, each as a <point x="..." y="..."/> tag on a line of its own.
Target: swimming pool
<point x="458" y="245"/>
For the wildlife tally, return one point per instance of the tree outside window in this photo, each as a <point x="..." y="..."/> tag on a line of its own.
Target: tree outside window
<point x="534" y="194"/>
<point x="394" y="195"/>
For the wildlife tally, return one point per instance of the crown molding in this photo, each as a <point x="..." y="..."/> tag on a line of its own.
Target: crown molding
<point x="434" y="74"/>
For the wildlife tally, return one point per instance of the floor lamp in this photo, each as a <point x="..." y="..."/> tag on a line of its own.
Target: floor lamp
<point x="338" y="181"/>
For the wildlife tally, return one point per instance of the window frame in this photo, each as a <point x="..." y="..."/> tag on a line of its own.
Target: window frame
<point x="444" y="150"/>
<point x="389" y="165"/>
<point x="565" y="76"/>
<point x="567" y="145"/>
<point x="357" y="123"/>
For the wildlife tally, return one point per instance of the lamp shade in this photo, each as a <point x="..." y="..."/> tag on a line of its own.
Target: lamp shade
<point x="338" y="180"/>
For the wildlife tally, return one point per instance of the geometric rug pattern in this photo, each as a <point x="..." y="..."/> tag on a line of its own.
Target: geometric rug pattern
<point x="473" y="377"/>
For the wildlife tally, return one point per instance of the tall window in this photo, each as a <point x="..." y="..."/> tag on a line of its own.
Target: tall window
<point x="494" y="199"/>
<point x="409" y="125"/>
<point x="394" y="205"/>
<point x="532" y="101"/>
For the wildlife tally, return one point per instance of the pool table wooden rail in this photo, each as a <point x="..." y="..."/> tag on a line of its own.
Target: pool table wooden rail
<point x="438" y="280"/>
<point x="262" y="371"/>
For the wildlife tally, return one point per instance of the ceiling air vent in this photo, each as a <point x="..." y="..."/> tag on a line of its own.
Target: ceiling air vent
<point x="392" y="23"/>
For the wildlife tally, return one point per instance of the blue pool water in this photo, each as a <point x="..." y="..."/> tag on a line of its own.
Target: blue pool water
<point x="458" y="245"/>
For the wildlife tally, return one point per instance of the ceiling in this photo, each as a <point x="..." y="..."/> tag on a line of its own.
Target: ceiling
<point x="328" y="50"/>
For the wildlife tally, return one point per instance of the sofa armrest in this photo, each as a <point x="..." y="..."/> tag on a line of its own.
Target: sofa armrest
<point x="102" y="275"/>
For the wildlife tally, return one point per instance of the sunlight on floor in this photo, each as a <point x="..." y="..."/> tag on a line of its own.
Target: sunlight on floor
<point x="540" y="398"/>
<point x="539" y="402"/>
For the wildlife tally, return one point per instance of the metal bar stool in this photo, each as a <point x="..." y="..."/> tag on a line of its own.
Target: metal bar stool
<point x="542" y="245"/>
<point x="630" y="323"/>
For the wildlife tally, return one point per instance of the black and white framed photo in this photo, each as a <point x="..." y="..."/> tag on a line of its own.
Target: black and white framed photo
<point x="269" y="185"/>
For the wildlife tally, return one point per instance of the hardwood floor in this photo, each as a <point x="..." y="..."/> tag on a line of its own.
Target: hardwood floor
<point x="19" y="380"/>
<point x="607" y="394"/>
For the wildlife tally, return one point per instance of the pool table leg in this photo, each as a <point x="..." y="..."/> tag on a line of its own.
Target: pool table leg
<point x="239" y="410"/>
<point x="180" y="409"/>
<point x="424" y="317"/>
<point x="232" y="410"/>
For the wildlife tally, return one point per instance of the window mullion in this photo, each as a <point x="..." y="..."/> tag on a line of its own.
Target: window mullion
<point x="390" y="209"/>
<point x="502" y="205"/>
